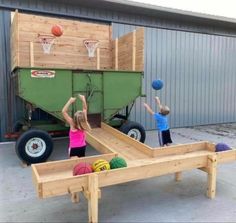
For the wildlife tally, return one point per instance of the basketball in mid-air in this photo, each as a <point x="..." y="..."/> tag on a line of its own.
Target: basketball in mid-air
<point x="157" y="84"/>
<point x="57" y="30"/>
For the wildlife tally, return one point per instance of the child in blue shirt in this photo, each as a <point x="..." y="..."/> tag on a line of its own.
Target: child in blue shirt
<point x="162" y="122"/>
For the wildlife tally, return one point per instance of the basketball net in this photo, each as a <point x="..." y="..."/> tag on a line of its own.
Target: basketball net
<point x="91" y="46"/>
<point x="46" y="42"/>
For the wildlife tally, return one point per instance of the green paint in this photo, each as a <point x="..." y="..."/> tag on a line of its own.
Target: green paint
<point x="106" y="92"/>
<point x="49" y="94"/>
<point x="90" y="85"/>
<point x="120" y="89"/>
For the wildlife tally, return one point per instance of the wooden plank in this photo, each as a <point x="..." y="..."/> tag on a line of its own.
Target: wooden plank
<point x="97" y="144"/>
<point x="126" y="54"/>
<point x="138" y="145"/>
<point x="60" y="47"/>
<point x="128" y="152"/>
<point x="87" y="194"/>
<point x="226" y="156"/>
<point x="134" y="51"/>
<point x="140" y="162"/>
<point x="66" y="50"/>
<point x="140" y="49"/>
<point x="178" y="176"/>
<point x="98" y="58"/>
<point x="179" y="149"/>
<point x="116" y="54"/>
<point x="75" y="197"/>
<point x="71" y="27"/>
<point x="15" y="40"/>
<point x="47" y="169"/>
<point x="52" y="188"/>
<point x="35" y="174"/>
<point x="93" y="198"/>
<point x="31" y="54"/>
<point x="211" y="146"/>
<point x="37" y="181"/>
<point x="204" y="169"/>
<point x="59" y="61"/>
<point x="211" y="176"/>
<point x="149" y="170"/>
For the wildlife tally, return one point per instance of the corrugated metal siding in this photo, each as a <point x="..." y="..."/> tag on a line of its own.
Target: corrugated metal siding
<point x="4" y="69"/>
<point x="64" y="8"/>
<point x="199" y="74"/>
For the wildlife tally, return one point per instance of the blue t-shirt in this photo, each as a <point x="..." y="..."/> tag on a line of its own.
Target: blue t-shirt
<point x="162" y="122"/>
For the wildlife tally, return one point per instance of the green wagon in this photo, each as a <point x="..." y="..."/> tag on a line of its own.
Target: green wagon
<point x="110" y="96"/>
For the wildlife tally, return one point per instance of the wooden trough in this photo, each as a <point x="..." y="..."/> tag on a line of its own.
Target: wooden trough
<point x="55" y="178"/>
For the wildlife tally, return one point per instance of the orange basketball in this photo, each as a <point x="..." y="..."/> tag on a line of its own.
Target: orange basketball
<point x="57" y="30"/>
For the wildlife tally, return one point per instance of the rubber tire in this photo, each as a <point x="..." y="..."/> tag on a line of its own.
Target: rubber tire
<point x="25" y="137"/>
<point x="127" y="126"/>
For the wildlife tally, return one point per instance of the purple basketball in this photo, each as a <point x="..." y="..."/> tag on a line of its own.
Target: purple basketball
<point x="222" y="147"/>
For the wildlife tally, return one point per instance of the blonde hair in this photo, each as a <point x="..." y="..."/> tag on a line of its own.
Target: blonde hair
<point x="165" y="110"/>
<point x="80" y="121"/>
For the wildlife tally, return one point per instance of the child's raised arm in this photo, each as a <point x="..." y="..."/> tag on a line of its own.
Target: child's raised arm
<point x="65" y="109"/>
<point x="84" y="104"/>
<point x="148" y="109"/>
<point x="85" y="109"/>
<point x="158" y="102"/>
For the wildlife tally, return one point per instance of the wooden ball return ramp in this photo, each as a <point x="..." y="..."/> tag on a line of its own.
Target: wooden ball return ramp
<point x="55" y="178"/>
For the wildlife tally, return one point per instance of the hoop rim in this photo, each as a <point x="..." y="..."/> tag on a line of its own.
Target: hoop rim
<point x="42" y="37"/>
<point x="46" y="40"/>
<point x="90" y="41"/>
<point x="91" y="46"/>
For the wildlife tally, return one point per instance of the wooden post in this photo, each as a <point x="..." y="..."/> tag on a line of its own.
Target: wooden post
<point x="31" y="54"/>
<point x="211" y="181"/>
<point x="16" y="17"/>
<point x="134" y="51"/>
<point x="98" y="58"/>
<point x="93" y="198"/>
<point x="86" y="194"/>
<point x="116" y="54"/>
<point x="75" y="197"/>
<point x="178" y="176"/>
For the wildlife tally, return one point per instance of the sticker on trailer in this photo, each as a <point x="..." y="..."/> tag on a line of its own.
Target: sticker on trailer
<point x="43" y="73"/>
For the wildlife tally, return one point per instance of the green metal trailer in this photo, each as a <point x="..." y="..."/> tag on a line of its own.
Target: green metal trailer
<point x="107" y="92"/>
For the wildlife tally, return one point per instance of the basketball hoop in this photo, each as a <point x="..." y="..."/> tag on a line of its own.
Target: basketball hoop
<point x="46" y="42"/>
<point x="91" y="46"/>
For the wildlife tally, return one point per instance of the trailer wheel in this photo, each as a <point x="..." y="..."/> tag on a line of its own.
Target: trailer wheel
<point x="34" y="146"/>
<point x="134" y="130"/>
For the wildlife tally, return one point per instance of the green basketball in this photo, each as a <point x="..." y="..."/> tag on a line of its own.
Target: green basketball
<point x="117" y="162"/>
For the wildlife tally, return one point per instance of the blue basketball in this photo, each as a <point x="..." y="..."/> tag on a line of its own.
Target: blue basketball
<point x="222" y="147"/>
<point x="157" y="84"/>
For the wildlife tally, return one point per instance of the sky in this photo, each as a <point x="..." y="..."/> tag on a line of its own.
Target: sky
<point x="226" y="8"/>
